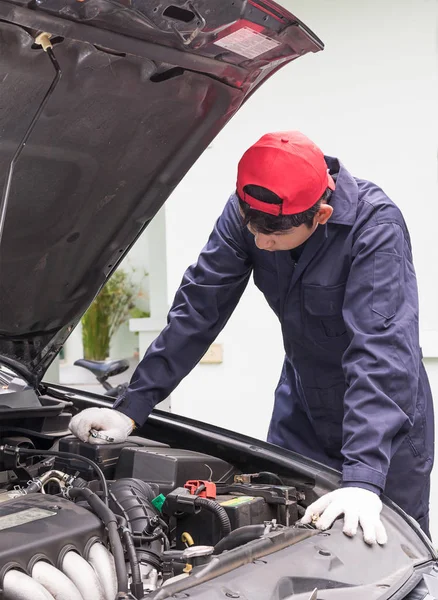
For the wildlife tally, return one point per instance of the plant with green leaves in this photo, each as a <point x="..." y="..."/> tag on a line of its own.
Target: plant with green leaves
<point x="110" y="309"/>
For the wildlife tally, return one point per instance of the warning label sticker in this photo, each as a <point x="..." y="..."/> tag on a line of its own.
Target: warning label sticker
<point x="237" y="501"/>
<point x="247" y="42"/>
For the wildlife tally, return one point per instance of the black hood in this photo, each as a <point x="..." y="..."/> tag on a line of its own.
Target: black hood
<point x="144" y="88"/>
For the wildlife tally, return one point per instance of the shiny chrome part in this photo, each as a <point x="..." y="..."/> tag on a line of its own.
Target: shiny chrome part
<point x="19" y="586"/>
<point x="61" y="479"/>
<point x="102" y="562"/>
<point x="37" y="484"/>
<point x="55" y="480"/>
<point x="53" y="474"/>
<point x="150" y="583"/>
<point x="55" y="582"/>
<point x="197" y="551"/>
<point x="83" y="576"/>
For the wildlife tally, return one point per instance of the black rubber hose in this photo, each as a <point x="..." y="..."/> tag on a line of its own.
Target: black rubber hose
<point x="238" y="537"/>
<point x="269" y="476"/>
<point x="33" y="487"/>
<point x="132" y="499"/>
<point x="109" y="519"/>
<point x="68" y="455"/>
<point x="217" y="510"/>
<point x="136" y="583"/>
<point x="141" y="539"/>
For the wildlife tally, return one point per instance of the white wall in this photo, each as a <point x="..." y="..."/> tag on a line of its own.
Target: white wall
<point x="370" y="98"/>
<point x="136" y="264"/>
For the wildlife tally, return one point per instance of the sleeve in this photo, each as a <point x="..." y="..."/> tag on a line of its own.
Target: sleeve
<point x="381" y="363"/>
<point x="205" y="300"/>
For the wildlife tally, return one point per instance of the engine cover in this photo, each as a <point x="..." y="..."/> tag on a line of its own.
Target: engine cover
<point x="39" y="526"/>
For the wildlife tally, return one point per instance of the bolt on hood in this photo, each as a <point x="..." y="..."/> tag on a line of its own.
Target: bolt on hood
<point x="144" y="89"/>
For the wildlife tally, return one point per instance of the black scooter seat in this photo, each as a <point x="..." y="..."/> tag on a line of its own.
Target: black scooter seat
<point x="102" y="369"/>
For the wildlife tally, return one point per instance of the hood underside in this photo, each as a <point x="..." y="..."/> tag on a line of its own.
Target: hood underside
<point x="143" y="89"/>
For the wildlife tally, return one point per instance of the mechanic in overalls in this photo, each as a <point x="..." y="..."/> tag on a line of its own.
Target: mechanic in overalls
<point x="332" y="255"/>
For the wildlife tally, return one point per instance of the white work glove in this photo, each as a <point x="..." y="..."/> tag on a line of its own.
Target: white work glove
<point x="359" y="507"/>
<point x="107" y="425"/>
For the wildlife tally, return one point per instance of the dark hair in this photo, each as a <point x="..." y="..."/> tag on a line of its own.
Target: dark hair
<point x="267" y="223"/>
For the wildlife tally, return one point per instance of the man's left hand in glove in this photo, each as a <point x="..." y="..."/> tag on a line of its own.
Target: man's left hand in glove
<point x="359" y="507"/>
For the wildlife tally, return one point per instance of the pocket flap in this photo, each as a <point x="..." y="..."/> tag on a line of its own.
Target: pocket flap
<point x="386" y="283"/>
<point x="324" y="301"/>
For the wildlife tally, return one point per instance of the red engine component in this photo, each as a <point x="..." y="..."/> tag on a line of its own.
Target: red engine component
<point x="201" y="488"/>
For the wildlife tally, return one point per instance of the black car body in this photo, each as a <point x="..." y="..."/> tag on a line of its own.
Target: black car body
<point x="95" y="134"/>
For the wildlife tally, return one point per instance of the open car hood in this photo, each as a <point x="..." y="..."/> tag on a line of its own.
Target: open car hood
<point x="143" y="90"/>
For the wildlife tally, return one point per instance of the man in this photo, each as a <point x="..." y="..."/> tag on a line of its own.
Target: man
<point x="332" y="256"/>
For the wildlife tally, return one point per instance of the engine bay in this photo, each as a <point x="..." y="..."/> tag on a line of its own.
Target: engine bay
<point x="181" y="509"/>
<point x="100" y="521"/>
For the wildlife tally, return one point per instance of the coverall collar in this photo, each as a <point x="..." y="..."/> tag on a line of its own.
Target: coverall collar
<point x="344" y="199"/>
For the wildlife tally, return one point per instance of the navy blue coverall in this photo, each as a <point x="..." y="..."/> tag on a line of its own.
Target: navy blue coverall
<point x="353" y="393"/>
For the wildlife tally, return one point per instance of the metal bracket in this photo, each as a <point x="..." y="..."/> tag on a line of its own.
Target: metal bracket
<point x="187" y="40"/>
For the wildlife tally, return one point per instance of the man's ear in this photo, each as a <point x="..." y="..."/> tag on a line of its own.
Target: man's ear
<point x="324" y="214"/>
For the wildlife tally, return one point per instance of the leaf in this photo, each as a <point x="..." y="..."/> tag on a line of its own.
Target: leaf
<point x="111" y="308"/>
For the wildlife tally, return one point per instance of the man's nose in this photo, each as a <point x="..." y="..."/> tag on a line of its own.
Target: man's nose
<point x="263" y="242"/>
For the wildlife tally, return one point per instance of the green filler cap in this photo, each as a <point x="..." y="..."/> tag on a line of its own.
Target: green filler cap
<point x="159" y="501"/>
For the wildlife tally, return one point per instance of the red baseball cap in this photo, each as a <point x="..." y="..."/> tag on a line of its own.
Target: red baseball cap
<point x="288" y="164"/>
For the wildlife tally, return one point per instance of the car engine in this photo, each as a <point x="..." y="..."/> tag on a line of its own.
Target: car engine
<point x="99" y="522"/>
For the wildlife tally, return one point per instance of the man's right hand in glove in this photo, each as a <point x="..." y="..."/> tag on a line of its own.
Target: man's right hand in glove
<point x="112" y="425"/>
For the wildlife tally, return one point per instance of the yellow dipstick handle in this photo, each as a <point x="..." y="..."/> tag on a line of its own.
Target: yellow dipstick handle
<point x="187" y="539"/>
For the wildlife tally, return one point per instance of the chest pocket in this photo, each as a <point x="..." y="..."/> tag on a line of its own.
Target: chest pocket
<point x="322" y="313"/>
